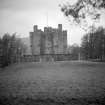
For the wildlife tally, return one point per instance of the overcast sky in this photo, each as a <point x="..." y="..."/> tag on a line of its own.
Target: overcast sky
<point x="20" y="16"/>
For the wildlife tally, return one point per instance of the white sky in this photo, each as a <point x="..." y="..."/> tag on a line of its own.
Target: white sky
<point x="20" y="16"/>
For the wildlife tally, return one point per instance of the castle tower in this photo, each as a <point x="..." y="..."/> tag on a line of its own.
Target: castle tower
<point x="60" y="27"/>
<point x="35" y="28"/>
<point x="35" y="37"/>
<point x="49" y="41"/>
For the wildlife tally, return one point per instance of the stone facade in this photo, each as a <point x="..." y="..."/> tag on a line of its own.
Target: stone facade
<point x="49" y="41"/>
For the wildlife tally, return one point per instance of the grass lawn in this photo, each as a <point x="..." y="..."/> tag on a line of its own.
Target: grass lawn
<point x="53" y="83"/>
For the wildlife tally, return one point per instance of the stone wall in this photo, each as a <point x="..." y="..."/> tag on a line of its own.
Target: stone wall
<point x="44" y="58"/>
<point x="48" y="58"/>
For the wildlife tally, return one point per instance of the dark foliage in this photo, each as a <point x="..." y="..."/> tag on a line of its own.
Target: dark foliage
<point x="93" y="45"/>
<point x="11" y="48"/>
<point x="79" y="12"/>
<point x="86" y="5"/>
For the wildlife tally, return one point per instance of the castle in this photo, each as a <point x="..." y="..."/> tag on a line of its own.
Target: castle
<point x="49" y="41"/>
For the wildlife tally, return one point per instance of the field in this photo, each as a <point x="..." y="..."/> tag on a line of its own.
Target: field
<point x="53" y="83"/>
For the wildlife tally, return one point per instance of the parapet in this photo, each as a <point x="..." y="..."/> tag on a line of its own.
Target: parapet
<point x="65" y="32"/>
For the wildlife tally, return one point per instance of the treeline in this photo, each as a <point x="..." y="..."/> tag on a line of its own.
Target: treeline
<point x="93" y="45"/>
<point x="11" y="48"/>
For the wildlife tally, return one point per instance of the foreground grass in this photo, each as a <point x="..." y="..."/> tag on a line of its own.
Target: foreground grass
<point x="53" y="83"/>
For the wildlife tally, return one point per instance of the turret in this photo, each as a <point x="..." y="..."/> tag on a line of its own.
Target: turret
<point x="35" y="28"/>
<point x="60" y="27"/>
